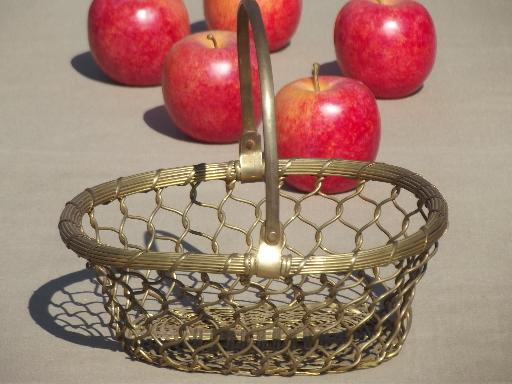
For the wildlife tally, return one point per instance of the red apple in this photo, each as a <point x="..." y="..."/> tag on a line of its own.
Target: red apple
<point x="129" y="38"/>
<point x="327" y="117"/>
<point x="281" y="18"/>
<point x="201" y="86"/>
<point x="390" y="45"/>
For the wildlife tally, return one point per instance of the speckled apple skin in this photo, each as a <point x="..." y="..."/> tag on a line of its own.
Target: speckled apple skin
<point x="341" y="120"/>
<point x="130" y="38"/>
<point x="391" y="47"/>
<point x="281" y="18"/>
<point x="201" y="87"/>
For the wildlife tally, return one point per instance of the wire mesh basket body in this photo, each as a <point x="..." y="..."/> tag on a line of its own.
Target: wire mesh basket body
<point x="204" y="271"/>
<point x="185" y="301"/>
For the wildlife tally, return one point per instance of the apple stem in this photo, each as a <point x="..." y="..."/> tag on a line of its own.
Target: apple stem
<point x="213" y="39"/>
<point x="316" y="71"/>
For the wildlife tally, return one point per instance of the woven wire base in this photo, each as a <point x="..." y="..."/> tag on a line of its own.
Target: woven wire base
<point x="356" y="324"/>
<point x="198" y="310"/>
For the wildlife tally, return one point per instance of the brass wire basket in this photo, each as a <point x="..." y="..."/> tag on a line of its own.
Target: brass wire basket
<point x="202" y="271"/>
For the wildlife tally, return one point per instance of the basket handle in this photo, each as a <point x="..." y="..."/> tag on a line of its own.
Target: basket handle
<point x="252" y="166"/>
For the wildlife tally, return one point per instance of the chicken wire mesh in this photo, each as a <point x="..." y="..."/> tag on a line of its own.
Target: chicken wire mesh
<point x="209" y="313"/>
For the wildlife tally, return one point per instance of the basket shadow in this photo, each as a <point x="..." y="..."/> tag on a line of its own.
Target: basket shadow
<point x="67" y="311"/>
<point x="71" y="307"/>
<point x="158" y="119"/>
<point x="85" y="65"/>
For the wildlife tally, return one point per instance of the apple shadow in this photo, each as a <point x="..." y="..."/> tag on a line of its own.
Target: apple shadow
<point x="287" y="187"/>
<point x="283" y="48"/>
<point x="331" y="68"/>
<point x="158" y="119"/>
<point x="402" y="97"/>
<point x="198" y="26"/>
<point x="85" y="65"/>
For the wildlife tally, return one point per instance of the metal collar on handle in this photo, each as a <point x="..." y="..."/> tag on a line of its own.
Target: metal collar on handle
<point x="252" y="166"/>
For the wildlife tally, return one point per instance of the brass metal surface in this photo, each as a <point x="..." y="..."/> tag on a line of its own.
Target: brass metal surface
<point x="176" y="252"/>
<point x="249" y="14"/>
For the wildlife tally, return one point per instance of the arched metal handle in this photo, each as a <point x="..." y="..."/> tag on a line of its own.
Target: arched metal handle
<point x="252" y="166"/>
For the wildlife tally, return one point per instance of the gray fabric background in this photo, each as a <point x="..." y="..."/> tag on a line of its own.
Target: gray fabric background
<point x="64" y="128"/>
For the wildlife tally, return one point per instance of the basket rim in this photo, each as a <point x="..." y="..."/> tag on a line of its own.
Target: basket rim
<point x="72" y="234"/>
